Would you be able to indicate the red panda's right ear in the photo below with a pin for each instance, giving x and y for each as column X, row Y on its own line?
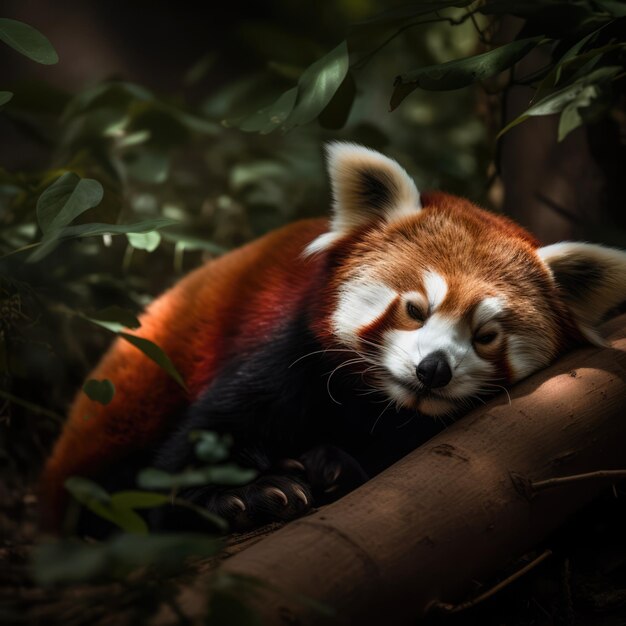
column 367, row 186
column 591, row 279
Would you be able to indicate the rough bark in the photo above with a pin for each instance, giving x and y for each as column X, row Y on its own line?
column 452, row 512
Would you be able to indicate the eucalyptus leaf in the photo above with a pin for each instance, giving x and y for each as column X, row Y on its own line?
column 27, row 41
column 462, row 72
column 571, row 116
column 215, row 520
column 573, row 52
column 86, row 491
column 5, row 96
column 98, row 501
column 318, row 85
column 67, row 198
column 92, row 230
column 228, row 474
column 190, row 241
column 414, row 9
column 271, row 117
column 617, row 8
column 138, row 499
column 153, row 352
column 336, row 113
column 70, row 561
column 144, row 241
column 101, row 391
column 211, row 447
column 126, row 519
column 557, row 101
column 114, row 318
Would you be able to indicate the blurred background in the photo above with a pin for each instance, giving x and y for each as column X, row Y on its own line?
column 192, row 128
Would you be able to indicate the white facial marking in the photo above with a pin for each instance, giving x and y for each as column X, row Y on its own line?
column 453, row 336
column 487, row 309
column 360, row 303
column 527, row 354
column 436, row 288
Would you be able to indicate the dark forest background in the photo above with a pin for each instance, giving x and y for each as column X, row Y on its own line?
column 181, row 120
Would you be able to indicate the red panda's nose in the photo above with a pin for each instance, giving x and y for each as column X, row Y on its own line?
column 434, row 371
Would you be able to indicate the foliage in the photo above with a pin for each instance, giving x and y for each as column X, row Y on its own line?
column 129, row 188
column 72, row 561
column 581, row 34
column 125, row 189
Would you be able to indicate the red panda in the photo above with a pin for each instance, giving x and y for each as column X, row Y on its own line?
column 326, row 347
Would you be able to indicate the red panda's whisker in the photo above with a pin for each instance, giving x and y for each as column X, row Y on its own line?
column 340, row 366
column 304, row 356
column 380, row 415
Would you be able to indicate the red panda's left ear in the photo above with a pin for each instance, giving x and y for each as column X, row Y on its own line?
column 591, row 278
column 367, row 186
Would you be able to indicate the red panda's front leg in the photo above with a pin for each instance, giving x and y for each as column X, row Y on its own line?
column 283, row 492
column 282, row 427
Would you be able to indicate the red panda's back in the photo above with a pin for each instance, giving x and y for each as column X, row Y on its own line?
column 222, row 308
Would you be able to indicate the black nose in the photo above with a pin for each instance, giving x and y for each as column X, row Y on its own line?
column 434, row 371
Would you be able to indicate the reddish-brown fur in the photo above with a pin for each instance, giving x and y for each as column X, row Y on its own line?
column 211, row 313
column 233, row 303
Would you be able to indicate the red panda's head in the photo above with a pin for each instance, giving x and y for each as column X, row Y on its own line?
column 446, row 302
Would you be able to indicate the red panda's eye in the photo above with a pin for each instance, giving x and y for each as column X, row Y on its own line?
column 414, row 312
column 485, row 339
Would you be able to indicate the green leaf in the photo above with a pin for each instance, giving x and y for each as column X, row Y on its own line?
column 126, row 519
column 336, row 113
column 67, row 198
column 101, row 391
column 215, row 520
column 98, row 501
column 70, row 561
column 557, row 101
column 5, row 96
column 144, row 241
column 271, row 117
column 138, row 499
column 228, row 474
column 415, row 9
column 211, row 447
column 153, row 352
column 463, row 72
column 571, row 116
column 27, row 41
column 617, row 8
column 92, row 230
column 114, row 318
column 86, row 491
column 573, row 52
column 318, row 85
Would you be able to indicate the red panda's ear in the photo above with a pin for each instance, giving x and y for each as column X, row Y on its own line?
column 367, row 186
column 592, row 279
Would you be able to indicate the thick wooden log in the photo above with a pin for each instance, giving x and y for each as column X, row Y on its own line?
column 454, row 511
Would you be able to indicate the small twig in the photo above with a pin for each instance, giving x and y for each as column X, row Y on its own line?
column 540, row 485
column 444, row 607
column 453, row 22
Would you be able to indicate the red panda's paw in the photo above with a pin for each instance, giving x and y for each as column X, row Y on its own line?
column 331, row 473
column 270, row 498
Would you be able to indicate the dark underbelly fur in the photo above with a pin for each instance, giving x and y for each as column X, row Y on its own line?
column 308, row 447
